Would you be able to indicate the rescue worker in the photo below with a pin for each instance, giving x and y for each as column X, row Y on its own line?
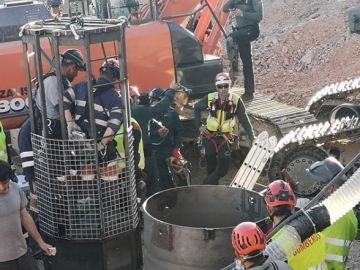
column 249, row 243
column 166, row 135
column 217, row 134
column 54, row 6
column 3, row 144
column 71, row 62
column 108, row 116
column 27, row 161
column 339, row 236
column 280, row 203
column 143, row 114
column 138, row 146
column 14, row 253
column 248, row 14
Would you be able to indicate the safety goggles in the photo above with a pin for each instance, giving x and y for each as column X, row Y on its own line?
column 222, row 86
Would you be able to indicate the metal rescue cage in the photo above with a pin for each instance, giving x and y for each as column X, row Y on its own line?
column 75, row 196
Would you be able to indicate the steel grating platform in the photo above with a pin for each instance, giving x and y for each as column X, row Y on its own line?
column 276, row 117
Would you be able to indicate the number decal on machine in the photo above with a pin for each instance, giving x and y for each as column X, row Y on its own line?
column 15, row 105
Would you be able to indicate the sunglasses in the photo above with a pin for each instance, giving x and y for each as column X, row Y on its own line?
column 222, row 86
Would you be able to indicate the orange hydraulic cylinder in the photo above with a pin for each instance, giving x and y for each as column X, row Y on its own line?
column 204, row 21
column 211, row 43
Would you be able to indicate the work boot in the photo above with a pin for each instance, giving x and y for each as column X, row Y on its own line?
column 110, row 172
column 247, row 97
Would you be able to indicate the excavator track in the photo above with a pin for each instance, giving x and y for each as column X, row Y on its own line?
column 278, row 118
column 300, row 148
column 323, row 102
column 306, row 135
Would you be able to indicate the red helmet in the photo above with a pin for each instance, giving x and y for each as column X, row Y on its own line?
column 279, row 193
column 248, row 238
column 223, row 78
column 134, row 91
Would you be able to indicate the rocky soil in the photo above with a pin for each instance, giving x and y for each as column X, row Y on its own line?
column 304, row 46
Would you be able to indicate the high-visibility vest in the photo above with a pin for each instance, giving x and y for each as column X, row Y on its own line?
column 222, row 117
column 338, row 238
column 310, row 255
column 3, row 146
column 120, row 140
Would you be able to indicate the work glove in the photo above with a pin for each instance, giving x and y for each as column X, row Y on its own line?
column 72, row 126
column 101, row 148
column 176, row 153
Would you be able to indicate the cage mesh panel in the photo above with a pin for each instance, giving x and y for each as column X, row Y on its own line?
column 75, row 200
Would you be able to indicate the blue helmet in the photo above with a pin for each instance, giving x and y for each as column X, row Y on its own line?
column 156, row 94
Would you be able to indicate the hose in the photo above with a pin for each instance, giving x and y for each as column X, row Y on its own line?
column 318, row 197
column 304, row 223
column 315, row 219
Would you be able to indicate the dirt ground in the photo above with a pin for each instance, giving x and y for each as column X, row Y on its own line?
column 304, row 46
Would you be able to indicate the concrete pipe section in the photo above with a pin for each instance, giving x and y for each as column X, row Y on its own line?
column 189, row 228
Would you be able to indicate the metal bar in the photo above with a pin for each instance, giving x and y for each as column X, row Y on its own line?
column 317, row 198
column 50, row 62
column 29, row 90
column 124, row 85
column 89, row 80
column 39, row 75
column 216, row 18
column 90, row 89
column 60, row 86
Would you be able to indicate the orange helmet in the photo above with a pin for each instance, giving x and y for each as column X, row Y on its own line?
column 248, row 238
column 222, row 78
column 279, row 193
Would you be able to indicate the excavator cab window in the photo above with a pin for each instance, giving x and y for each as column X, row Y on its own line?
column 186, row 47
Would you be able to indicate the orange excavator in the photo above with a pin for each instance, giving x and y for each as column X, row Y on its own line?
column 166, row 41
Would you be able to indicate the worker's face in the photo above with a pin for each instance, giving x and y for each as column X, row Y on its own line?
column 55, row 11
column 4, row 186
column 223, row 90
column 71, row 72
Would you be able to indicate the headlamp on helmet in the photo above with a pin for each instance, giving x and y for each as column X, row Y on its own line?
column 111, row 67
column 73, row 56
column 279, row 193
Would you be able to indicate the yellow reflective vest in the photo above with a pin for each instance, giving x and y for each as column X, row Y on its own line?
column 120, row 141
column 328, row 249
column 3, row 146
column 338, row 238
column 222, row 117
column 310, row 255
